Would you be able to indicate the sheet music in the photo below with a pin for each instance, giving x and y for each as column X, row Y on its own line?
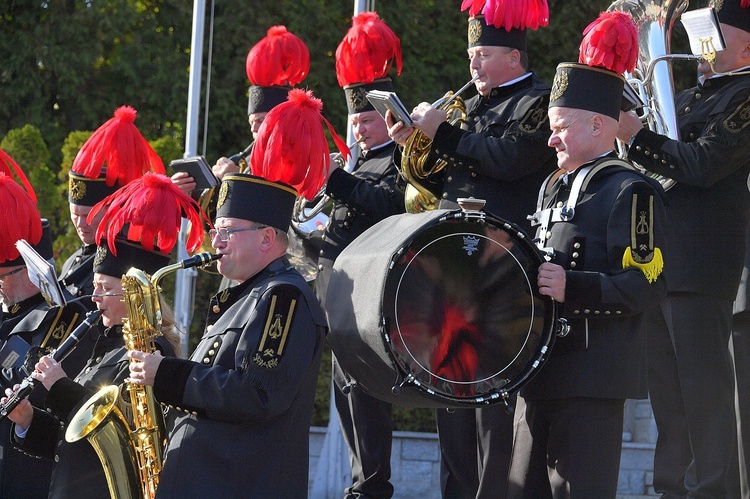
column 701, row 26
column 42, row 274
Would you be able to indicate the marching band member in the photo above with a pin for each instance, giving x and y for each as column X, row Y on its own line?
column 605, row 224
column 30, row 326
column 90, row 181
column 245, row 397
column 502, row 158
column 690, row 371
column 274, row 65
column 151, row 206
column 362, row 198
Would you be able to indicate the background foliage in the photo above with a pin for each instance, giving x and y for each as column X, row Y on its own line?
column 66, row 65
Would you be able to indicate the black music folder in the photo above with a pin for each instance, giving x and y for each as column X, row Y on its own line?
column 388, row 101
column 198, row 168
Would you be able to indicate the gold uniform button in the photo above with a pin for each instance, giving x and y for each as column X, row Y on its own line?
column 211, row 352
column 216, row 309
column 656, row 156
column 548, row 234
column 445, row 195
column 216, row 344
column 559, row 204
column 687, row 109
column 57, row 458
column 573, row 264
column 587, row 311
column 473, row 174
column 206, row 360
column 577, row 245
column 450, row 178
column 575, row 255
column 698, row 96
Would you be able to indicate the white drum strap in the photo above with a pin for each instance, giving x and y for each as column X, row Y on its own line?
column 545, row 217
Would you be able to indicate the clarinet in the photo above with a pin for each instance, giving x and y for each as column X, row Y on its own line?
column 67, row 346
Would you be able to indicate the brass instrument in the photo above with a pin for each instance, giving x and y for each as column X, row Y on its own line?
column 416, row 167
column 132, row 459
column 652, row 77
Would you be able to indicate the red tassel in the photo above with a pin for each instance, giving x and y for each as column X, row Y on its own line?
column 281, row 58
column 474, row 6
column 745, row 4
column 7, row 164
column 291, row 147
column 119, row 145
column 20, row 220
column 367, row 51
column 611, row 42
column 516, row 14
column 152, row 207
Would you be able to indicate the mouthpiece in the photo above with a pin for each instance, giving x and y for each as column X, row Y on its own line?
column 200, row 259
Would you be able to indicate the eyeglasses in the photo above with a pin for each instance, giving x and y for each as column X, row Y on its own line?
column 19, row 269
column 225, row 233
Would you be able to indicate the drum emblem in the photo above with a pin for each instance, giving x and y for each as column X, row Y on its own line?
column 470, row 244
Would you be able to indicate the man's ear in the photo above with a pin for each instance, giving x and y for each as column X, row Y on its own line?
column 596, row 124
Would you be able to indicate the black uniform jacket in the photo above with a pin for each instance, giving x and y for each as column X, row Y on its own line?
column 604, row 355
column 44, row 328
column 244, row 400
column 503, row 157
column 77, row 274
column 364, row 197
column 709, row 206
column 77, row 471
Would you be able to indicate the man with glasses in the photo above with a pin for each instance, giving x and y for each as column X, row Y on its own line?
column 243, row 402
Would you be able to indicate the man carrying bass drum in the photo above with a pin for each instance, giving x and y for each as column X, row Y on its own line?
column 603, row 224
column 502, row 158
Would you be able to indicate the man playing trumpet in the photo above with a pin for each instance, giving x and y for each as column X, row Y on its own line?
column 502, row 158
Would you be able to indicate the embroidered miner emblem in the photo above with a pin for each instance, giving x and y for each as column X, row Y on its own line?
column 77, row 189
column 223, row 192
column 279, row 320
column 560, row 85
column 739, row 119
column 642, row 253
column 358, row 98
column 534, row 119
column 101, row 254
column 475, row 31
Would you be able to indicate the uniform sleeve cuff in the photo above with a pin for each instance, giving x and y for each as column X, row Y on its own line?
column 64, row 396
column 171, row 378
column 582, row 290
column 341, row 184
column 447, row 138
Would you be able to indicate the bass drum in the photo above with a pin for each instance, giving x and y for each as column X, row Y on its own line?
column 440, row 309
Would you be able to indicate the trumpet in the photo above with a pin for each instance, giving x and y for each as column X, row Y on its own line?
column 415, row 157
column 67, row 346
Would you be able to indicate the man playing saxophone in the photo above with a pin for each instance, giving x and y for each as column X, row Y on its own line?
column 244, row 399
column 502, row 158
column 690, row 371
column 40, row 431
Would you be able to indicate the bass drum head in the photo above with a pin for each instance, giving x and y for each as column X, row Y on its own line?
column 461, row 321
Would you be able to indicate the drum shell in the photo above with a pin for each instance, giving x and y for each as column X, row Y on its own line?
column 360, row 313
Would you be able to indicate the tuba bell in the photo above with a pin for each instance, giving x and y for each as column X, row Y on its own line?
column 652, row 77
column 417, row 168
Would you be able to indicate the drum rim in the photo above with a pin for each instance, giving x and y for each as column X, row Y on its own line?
column 547, row 334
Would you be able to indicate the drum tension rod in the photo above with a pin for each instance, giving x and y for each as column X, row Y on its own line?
column 396, row 389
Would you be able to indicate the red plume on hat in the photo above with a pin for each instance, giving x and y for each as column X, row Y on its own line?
column 20, row 220
column 510, row 14
column 611, row 42
column 291, row 147
column 367, row 51
column 119, row 145
column 8, row 166
column 281, row 58
column 152, row 208
column 745, row 4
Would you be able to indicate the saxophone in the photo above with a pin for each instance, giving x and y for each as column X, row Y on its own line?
column 132, row 459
